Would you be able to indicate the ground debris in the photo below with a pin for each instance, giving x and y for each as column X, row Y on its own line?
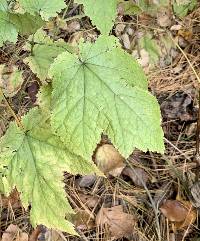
column 13, row 233
column 119, row 223
column 179, row 106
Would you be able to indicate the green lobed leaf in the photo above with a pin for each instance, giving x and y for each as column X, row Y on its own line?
column 26, row 24
column 103, row 89
column 101, row 12
column 11, row 24
column 35, row 160
column 45, row 8
column 43, row 53
column 130, row 8
column 182, row 7
column 8, row 31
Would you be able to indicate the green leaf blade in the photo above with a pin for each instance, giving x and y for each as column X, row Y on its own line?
column 43, row 53
column 8, row 31
column 26, row 24
column 102, row 13
column 35, row 163
column 12, row 24
column 72, row 102
column 45, row 8
column 86, row 90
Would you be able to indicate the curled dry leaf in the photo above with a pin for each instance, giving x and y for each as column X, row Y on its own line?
column 119, row 223
column 109, row 160
column 14, row 233
column 180, row 212
column 137, row 175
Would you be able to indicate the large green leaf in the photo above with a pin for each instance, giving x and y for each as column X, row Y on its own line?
column 11, row 24
column 43, row 53
column 103, row 89
column 35, row 160
column 8, row 31
column 101, row 12
column 45, row 8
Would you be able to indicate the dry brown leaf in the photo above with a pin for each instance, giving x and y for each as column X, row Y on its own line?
column 163, row 17
column 73, row 26
column 176, row 27
column 109, row 160
column 87, row 181
column 11, row 79
column 89, row 200
column 126, row 41
column 83, row 220
column 53, row 235
column 14, row 233
column 186, row 34
column 13, row 199
column 75, row 38
column 137, row 175
column 190, row 218
column 119, row 29
column 180, row 212
column 144, row 58
column 119, row 223
column 179, row 106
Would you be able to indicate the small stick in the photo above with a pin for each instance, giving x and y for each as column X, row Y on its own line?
column 11, row 110
column 197, row 156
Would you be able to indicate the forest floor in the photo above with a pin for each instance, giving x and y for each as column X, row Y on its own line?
column 149, row 196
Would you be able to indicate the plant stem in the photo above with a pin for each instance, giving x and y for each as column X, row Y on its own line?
column 197, row 156
column 11, row 110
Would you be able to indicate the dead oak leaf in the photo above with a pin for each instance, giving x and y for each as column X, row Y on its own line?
column 119, row 223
